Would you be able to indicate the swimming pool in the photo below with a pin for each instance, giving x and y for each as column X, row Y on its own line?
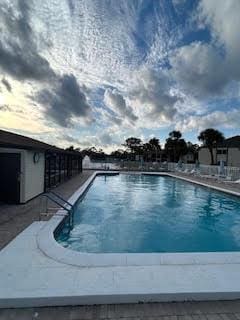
column 130, row 213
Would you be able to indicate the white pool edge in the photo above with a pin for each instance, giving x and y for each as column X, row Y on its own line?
column 51, row 248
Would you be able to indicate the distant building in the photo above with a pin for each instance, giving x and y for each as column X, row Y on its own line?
column 189, row 157
column 29, row 167
column 228, row 151
column 86, row 162
column 155, row 156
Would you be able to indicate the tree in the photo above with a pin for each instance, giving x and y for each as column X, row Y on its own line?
column 71, row 148
column 134, row 145
column 119, row 154
column 155, row 142
column 210, row 139
column 175, row 135
column 193, row 149
column 94, row 154
column 152, row 147
column 175, row 146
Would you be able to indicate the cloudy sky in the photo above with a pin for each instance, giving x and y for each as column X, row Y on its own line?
column 94, row 72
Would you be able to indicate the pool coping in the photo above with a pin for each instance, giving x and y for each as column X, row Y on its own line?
column 52, row 249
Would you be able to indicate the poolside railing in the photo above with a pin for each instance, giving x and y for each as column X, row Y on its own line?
column 127, row 166
column 206, row 170
column 231, row 172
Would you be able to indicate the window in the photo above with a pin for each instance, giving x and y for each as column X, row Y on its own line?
column 224, row 151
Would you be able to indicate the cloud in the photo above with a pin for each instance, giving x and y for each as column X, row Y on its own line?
column 19, row 55
column 151, row 98
column 221, row 119
column 213, row 15
column 116, row 102
column 7, row 85
column 101, row 139
column 5, row 108
column 23, row 65
column 90, row 140
column 159, row 69
column 208, row 69
column 65, row 101
column 152, row 89
column 113, row 119
column 224, row 22
column 70, row 139
column 199, row 69
column 106, row 139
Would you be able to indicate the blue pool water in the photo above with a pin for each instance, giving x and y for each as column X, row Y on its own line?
column 137, row 213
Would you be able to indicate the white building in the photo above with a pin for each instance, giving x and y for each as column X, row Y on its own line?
column 86, row 162
column 29, row 167
column 228, row 151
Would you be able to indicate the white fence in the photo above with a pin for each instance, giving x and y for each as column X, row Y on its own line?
column 101, row 166
column 231, row 172
column 126, row 166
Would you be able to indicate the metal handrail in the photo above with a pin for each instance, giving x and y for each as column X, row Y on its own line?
column 59, row 197
column 55, row 201
column 70, row 211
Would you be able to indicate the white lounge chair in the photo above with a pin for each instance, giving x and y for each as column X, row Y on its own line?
column 208, row 176
column 231, row 181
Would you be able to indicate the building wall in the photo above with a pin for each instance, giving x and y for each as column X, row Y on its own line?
column 204, row 156
column 232, row 158
column 188, row 158
column 33, row 175
column 223, row 157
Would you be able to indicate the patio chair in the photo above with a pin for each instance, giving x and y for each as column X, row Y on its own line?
column 233, row 181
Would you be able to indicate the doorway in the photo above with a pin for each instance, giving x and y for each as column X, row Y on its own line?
column 10, row 169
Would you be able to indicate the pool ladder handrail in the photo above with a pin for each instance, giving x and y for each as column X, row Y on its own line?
column 59, row 197
column 50, row 195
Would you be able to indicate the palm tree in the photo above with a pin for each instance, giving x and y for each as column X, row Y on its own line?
column 210, row 139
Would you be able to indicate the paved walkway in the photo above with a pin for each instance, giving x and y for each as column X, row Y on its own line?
column 209, row 310
column 211, row 181
column 15, row 218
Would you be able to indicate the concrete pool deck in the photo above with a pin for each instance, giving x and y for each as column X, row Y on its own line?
column 204, row 310
column 30, row 278
column 15, row 218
